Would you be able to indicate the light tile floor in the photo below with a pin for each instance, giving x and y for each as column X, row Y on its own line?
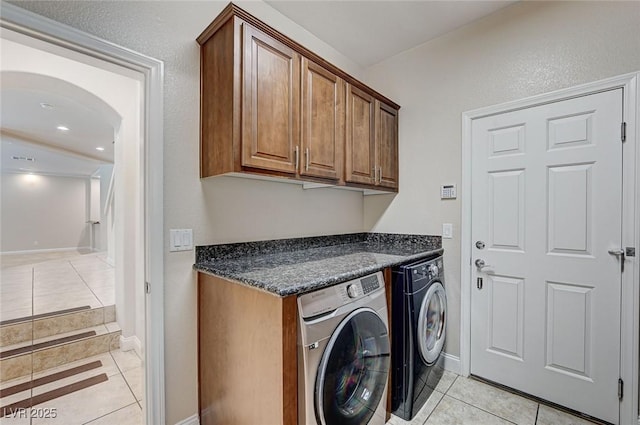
column 115, row 401
column 38, row 283
column 32, row 284
column 465, row 401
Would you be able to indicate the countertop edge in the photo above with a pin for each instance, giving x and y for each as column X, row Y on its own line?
column 317, row 284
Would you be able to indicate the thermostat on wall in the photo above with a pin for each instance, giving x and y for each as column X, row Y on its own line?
column 448, row 191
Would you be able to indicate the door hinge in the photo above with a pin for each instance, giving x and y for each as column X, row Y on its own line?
column 620, row 388
column 623, row 131
column 147, row 287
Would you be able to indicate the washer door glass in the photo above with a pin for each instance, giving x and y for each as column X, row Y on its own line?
column 432, row 323
column 353, row 370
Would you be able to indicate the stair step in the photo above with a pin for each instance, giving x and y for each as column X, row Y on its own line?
column 34, row 347
column 25, row 358
column 53, row 394
column 43, row 315
column 15, row 331
column 6, row 392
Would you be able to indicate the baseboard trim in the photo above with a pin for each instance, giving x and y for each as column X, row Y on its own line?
column 191, row 420
column 451, row 363
column 41, row 251
column 131, row 343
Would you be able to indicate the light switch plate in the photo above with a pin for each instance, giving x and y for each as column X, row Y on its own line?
column 447, row 230
column 180, row 240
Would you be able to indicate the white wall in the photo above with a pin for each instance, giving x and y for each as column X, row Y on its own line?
column 523, row 50
column 219, row 209
column 43, row 212
column 104, row 230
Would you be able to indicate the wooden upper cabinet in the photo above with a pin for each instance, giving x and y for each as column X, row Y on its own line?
column 271, row 95
column 360, row 140
column 372, row 141
column 271, row 107
column 387, row 145
column 322, row 139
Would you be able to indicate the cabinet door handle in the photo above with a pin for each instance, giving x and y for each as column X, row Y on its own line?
column 296, row 152
column 379, row 173
column 306, row 165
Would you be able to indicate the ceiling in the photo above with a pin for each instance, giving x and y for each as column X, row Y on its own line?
column 33, row 107
column 47, row 160
column 370, row 31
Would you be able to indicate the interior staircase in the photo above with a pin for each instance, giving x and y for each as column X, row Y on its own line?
column 41, row 346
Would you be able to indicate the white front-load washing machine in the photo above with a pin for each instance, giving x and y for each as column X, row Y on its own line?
column 343, row 354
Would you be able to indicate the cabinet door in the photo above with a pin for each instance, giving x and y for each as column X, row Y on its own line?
column 387, row 145
column 271, row 98
column 322, row 140
column 360, row 139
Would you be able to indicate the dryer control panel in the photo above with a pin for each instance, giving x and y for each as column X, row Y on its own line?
column 328, row 299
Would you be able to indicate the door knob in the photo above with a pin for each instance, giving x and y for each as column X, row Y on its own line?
column 480, row 264
column 616, row 252
column 619, row 253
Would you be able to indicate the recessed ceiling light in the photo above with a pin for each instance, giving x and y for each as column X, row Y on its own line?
column 100, row 148
column 62, row 128
column 45, row 105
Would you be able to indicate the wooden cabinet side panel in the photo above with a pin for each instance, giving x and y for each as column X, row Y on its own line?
column 240, row 354
column 360, row 137
column 387, row 145
column 290, row 360
column 322, row 138
column 271, row 102
column 218, row 90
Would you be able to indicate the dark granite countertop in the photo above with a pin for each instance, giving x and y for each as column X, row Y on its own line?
column 295, row 266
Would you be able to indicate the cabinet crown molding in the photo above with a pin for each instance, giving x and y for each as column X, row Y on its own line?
column 233, row 10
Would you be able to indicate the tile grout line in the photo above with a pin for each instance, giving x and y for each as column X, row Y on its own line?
column 498, row 416
column 436, row 406
column 539, row 402
column 104, row 261
column 480, row 408
column 434, row 409
column 124, row 378
column 537, row 413
column 442, row 398
column 106, row 414
column 86, row 284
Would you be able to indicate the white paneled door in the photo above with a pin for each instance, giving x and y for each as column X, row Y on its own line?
column 547, row 206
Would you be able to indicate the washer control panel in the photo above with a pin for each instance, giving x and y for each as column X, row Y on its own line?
column 370, row 283
column 328, row 299
column 430, row 269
